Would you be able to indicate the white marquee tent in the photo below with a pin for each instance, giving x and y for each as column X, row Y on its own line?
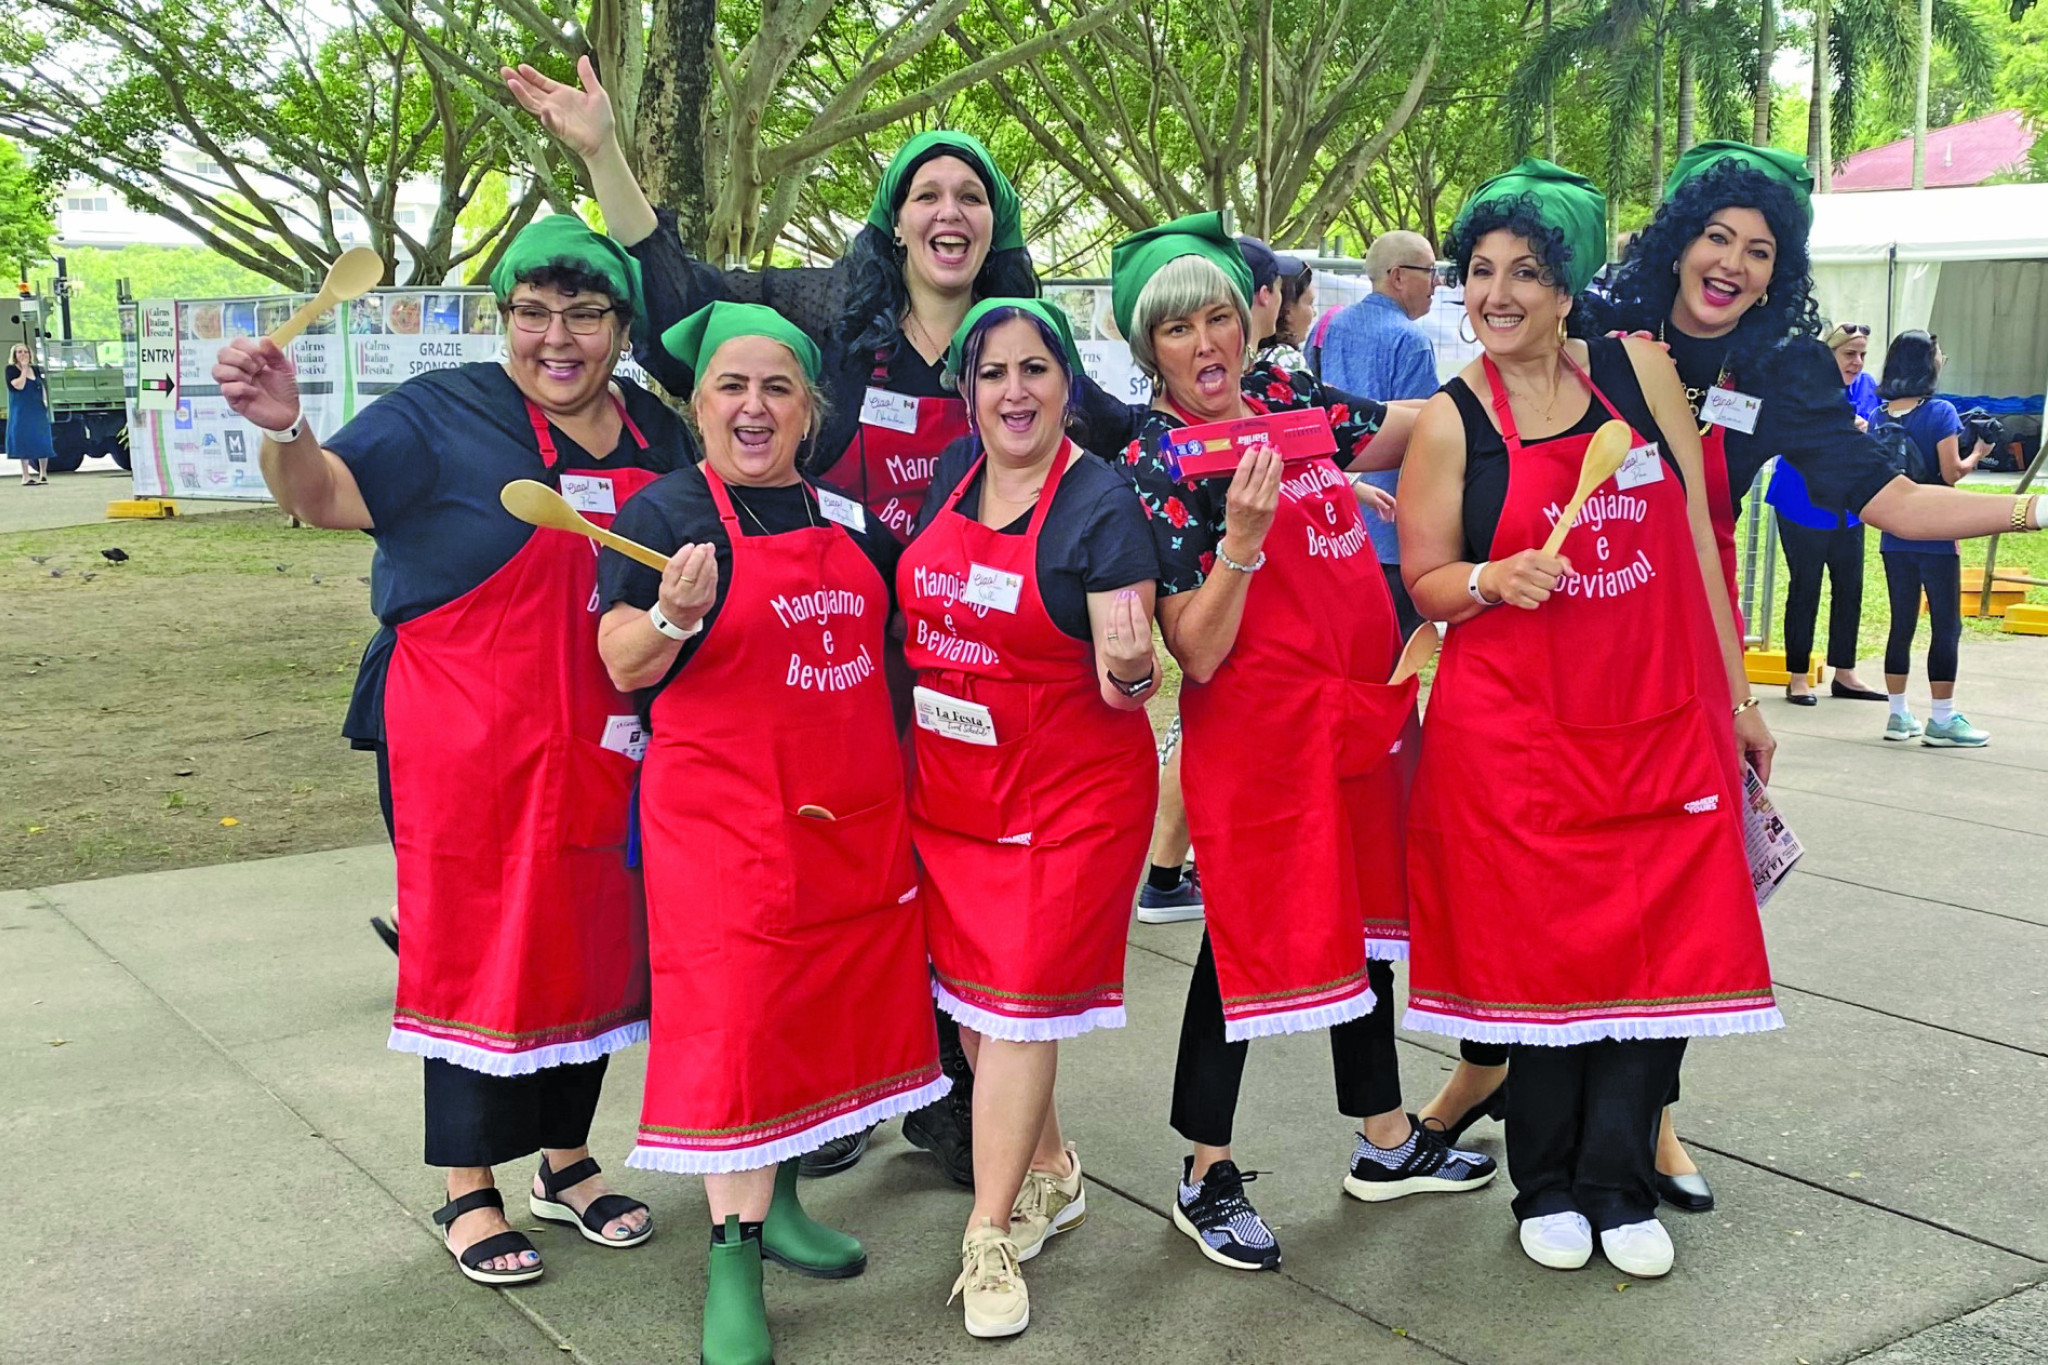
column 1969, row 265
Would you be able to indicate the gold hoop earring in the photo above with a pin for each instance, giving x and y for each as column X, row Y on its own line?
column 1463, row 323
column 1560, row 332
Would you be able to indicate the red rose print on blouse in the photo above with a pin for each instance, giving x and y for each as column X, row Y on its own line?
column 1133, row 453
column 1340, row 413
column 1282, row 375
column 1208, row 562
column 1278, row 392
column 1176, row 512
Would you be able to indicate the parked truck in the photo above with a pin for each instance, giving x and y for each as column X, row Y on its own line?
column 88, row 412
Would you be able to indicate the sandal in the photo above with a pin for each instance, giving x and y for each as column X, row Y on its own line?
column 471, row 1261
column 606, row 1208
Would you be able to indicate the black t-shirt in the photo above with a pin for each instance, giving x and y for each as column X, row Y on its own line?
column 430, row 458
column 1801, row 416
column 1095, row 537
column 1486, row 450
column 677, row 510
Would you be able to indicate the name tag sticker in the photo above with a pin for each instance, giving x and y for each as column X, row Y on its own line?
column 1642, row 466
column 589, row 493
column 953, row 718
column 893, row 411
column 1730, row 409
column 845, row 511
column 996, row 589
column 625, row 735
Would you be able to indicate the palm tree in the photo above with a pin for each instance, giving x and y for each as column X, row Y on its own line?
column 1872, row 47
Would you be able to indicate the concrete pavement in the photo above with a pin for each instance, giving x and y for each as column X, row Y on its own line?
column 78, row 499
column 222, row 1159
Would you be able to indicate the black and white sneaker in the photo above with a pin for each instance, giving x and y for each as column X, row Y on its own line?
column 1422, row 1164
column 1222, row 1221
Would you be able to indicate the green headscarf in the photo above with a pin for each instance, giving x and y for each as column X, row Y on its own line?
column 1564, row 200
column 1002, row 195
column 1137, row 258
column 1783, row 167
column 1054, row 318
column 565, row 237
column 697, row 337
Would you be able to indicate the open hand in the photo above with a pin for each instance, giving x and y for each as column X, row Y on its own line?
column 1373, row 497
column 581, row 119
column 259, row 382
column 689, row 585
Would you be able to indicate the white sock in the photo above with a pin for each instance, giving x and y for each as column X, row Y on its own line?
column 1944, row 710
column 1898, row 701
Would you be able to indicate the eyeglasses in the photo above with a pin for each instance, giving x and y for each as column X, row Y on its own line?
column 1854, row 329
column 1430, row 270
column 582, row 320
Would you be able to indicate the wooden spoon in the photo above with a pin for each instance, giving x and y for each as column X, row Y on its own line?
column 1604, row 454
column 1420, row 649
column 540, row 505
column 354, row 273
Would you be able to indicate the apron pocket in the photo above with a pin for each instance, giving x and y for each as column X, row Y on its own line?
column 1597, row 775
column 1369, row 723
column 591, row 788
column 845, row 867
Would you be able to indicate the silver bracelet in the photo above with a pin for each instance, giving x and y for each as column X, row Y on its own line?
column 1473, row 590
column 1258, row 561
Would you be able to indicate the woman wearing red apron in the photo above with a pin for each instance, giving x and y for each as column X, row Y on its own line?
column 505, row 755
column 1579, row 888
column 791, row 998
column 1027, row 599
column 1296, row 745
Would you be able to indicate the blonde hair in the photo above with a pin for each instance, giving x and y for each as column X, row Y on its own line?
column 1181, row 288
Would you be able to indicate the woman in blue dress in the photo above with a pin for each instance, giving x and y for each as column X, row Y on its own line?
column 28, row 418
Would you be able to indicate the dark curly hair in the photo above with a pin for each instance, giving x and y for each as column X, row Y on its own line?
column 1519, row 216
column 1644, row 285
column 574, row 277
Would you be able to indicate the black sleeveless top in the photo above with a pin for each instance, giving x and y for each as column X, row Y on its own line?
column 1486, row 451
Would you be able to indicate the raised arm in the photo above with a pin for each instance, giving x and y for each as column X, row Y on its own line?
column 582, row 120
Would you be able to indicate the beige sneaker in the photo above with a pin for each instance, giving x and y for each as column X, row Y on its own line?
column 1047, row 1204
column 997, row 1303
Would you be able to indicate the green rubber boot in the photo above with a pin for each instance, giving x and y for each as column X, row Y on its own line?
column 793, row 1238
column 735, row 1316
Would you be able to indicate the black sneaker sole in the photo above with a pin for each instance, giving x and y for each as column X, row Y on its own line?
column 843, row 1272
column 1180, row 1220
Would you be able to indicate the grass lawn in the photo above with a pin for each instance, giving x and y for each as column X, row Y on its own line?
column 148, row 704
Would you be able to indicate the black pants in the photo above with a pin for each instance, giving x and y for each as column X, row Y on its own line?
column 1404, row 605
column 1496, row 1054
column 1582, row 1128
column 1906, row 574
column 1207, row 1075
column 1811, row 551
column 479, row 1120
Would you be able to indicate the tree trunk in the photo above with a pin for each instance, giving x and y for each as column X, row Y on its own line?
column 1766, row 54
column 1920, row 94
column 675, row 100
column 1818, row 160
column 1549, row 101
column 1657, row 115
column 1688, row 81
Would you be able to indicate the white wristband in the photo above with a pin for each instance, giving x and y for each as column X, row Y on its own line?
column 1473, row 590
column 670, row 628
column 288, row 434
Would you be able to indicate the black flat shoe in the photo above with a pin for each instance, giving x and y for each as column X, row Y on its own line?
column 1802, row 699
column 387, row 932
column 1494, row 1106
column 1690, row 1193
column 840, row 1154
column 1847, row 693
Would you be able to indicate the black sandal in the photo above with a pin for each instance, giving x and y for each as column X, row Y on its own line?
column 386, row 932
column 471, row 1261
column 606, row 1208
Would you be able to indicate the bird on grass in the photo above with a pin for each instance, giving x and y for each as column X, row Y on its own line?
column 117, row 555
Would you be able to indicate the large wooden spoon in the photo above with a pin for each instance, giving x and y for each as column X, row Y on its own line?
column 354, row 273
column 539, row 505
column 1420, row 649
column 1604, row 454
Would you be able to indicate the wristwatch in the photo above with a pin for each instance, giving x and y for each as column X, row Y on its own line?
column 288, row 434
column 670, row 628
column 1137, row 688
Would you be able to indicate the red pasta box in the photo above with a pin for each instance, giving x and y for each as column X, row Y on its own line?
column 1213, row 448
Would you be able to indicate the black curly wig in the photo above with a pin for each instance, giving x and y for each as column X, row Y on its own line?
column 1645, row 284
column 1519, row 216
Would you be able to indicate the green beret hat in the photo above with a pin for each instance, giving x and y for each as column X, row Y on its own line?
column 1561, row 199
column 1137, row 258
column 697, row 337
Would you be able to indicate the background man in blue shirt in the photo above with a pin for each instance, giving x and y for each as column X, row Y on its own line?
column 1374, row 347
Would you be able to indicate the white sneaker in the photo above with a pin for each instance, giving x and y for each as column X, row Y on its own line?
column 1562, row 1241
column 1640, row 1249
column 997, row 1304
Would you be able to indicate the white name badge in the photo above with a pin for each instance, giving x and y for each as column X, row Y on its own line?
column 953, row 718
column 1642, row 466
column 589, row 493
column 625, row 735
column 845, row 511
column 894, row 411
column 996, row 589
column 1730, row 409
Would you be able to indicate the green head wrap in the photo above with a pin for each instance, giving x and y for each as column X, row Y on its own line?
column 1562, row 199
column 1002, row 195
column 1137, row 258
column 1783, row 167
column 1054, row 318
column 697, row 337
column 565, row 237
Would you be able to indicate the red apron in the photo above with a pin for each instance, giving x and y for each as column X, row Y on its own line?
column 1291, row 795
column 525, row 937
column 1575, row 851
column 792, row 1000
column 887, row 468
column 1032, row 847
